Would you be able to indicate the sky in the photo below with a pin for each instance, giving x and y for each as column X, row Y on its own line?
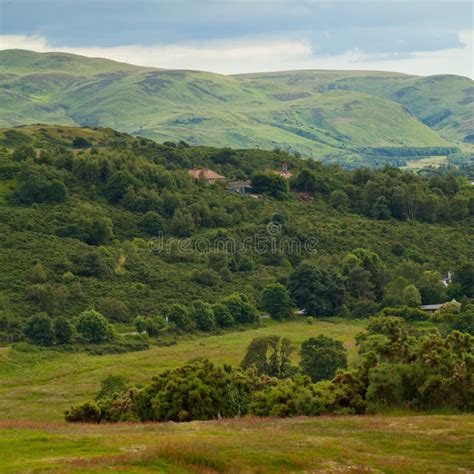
column 421, row 37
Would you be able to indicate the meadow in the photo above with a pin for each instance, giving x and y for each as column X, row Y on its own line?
column 40, row 384
column 400, row 444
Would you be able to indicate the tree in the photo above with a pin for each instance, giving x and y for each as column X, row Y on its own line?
column 276, row 301
column 113, row 309
column 339, row 200
column 270, row 355
column 93, row 327
column 39, row 183
column 320, row 292
column 151, row 223
column 464, row 277
column 270, row 184
column 39, row 330
column 222, row 315
column 63, row 330
column 89, row 224
column 179, row 315
column 203, row 315
column 38, row 275
column 321, row 357
column 118, row 184
column 241, row 309
column 411, row 296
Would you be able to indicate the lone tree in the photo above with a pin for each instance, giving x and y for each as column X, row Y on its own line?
column 270, row 355
column 321, row 357
column 276, row 300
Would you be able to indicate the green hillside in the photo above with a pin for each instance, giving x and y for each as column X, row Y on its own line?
column 325, row 114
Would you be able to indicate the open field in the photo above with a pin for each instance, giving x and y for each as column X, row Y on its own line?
column 40, row 385
column 415, row 444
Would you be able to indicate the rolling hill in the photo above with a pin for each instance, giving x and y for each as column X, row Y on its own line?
column 326, row 114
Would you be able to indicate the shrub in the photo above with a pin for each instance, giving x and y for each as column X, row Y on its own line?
column 203, row 316
column 179, row 315
column 63, row 330
column 88, row 412
column 240, row 308
column 39, row 330
column 93, row 327
column 222, row 315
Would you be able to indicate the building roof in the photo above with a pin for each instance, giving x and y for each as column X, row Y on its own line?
column 240, row 184
column 428, row 307
column 285, row 174
column 205, row 173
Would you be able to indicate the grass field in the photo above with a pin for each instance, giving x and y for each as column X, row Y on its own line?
column 36, row 387
column 415, row 444
column 41, row 385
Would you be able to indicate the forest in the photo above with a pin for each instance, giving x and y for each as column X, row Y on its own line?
column 103, row 237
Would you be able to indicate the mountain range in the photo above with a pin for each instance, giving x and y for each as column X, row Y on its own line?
column 335, row 115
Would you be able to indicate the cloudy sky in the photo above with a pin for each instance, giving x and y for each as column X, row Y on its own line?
column 234, row 36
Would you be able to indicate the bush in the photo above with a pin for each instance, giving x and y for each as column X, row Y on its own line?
column 63, row 330
column 88, row 412
column 206, row 392
column 203, row 315
column 240, row 308
column 93, row 327
column 179, row 315
column 39, row 330
column 222, row 315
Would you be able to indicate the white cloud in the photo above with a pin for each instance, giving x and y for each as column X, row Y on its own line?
column 265, row 54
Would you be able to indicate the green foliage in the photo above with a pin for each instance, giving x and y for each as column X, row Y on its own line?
column 63, row 330
column 222, row 315
column 37, row 184
column 411, row 296
column 112, row 385
column 203, row 315
column 93, row 327
column 318, row 291
column 321, row 357
column 276, row 301
column 270, row 355
column 270, row 184
column 39, row 330
column 206, row 391
column 180, row 316
column 240, row 308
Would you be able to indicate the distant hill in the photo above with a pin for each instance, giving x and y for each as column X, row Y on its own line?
column 335, row 115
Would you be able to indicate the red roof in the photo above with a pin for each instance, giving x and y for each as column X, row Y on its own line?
column 205, row 173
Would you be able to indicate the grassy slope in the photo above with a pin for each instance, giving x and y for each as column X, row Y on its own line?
column 41, row 385
column 424, row 97
column 297, row 110
column 417, row 444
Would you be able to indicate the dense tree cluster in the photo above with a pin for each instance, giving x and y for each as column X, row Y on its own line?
column 396, row 368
